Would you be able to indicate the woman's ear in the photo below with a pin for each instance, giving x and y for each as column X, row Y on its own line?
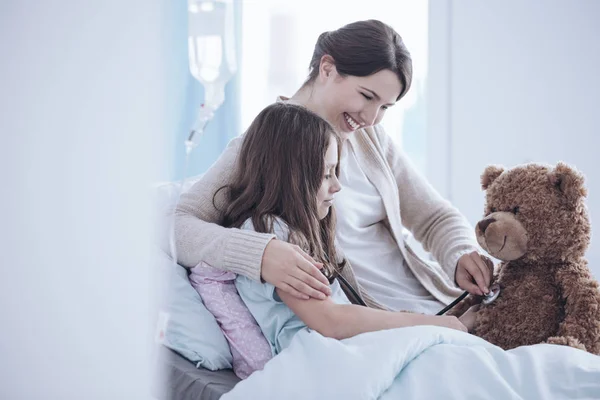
column 326, row 67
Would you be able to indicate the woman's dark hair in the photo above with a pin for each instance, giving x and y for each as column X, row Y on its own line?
column 279, row 171
column 364, row 48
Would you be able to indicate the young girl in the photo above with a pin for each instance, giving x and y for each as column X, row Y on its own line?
column 286, row 184
column 356, row 73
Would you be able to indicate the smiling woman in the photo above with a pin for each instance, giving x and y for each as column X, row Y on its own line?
column 279, row 39
column 350, row 101
column 383, row 194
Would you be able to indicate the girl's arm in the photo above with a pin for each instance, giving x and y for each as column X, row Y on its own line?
column 341, row 321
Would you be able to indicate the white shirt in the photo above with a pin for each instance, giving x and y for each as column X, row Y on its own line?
column 370, row 247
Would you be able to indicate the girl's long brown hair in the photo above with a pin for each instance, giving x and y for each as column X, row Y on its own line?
column 280, row 169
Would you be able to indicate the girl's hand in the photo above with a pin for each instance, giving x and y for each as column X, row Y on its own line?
column 450, row 321
column 290, row 269
column 469, row 317
column 474, row 273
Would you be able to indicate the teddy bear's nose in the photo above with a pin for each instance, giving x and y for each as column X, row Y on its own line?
column 485, row 223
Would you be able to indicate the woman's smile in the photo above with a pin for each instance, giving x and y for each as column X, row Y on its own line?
column 350, row 123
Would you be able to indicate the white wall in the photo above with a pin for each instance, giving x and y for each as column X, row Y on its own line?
column 83, row 128
column 512, row 82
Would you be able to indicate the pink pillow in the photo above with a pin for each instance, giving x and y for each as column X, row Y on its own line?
column 249, row 348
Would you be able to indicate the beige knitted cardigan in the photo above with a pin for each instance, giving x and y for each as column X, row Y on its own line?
column 408, row 199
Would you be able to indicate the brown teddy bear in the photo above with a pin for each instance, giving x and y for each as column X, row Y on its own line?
column 537, row 224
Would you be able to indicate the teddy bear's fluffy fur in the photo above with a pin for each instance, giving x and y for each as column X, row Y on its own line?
column 537, row 224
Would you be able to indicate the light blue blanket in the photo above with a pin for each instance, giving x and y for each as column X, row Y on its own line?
column 422, row 362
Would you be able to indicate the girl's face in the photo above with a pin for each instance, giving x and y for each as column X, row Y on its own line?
column 330, row 185
column 353, row 102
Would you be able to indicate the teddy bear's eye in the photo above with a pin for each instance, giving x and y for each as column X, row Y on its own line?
column 515, row 210
column 493, row 209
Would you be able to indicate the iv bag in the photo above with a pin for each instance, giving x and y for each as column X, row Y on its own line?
column 211, row 47
column 212, row 58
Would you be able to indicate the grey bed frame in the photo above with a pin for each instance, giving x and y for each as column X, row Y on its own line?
column 179, row 379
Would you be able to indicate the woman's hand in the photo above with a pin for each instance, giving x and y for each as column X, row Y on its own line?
column 290, row 269
column 474, row 273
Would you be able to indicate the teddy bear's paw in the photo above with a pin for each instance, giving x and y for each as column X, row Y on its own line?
column 566, row 341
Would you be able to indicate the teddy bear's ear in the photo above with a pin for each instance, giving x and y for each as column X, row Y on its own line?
column 568, row 181
column 490, row 174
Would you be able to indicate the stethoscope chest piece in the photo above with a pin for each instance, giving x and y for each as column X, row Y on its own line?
column 492, row 295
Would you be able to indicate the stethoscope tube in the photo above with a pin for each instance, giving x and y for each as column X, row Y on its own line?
column 455, row 302
column 351, row 289
column 344, row 282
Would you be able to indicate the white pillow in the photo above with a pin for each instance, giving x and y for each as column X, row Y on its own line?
column 183, row 322
column 165, row 196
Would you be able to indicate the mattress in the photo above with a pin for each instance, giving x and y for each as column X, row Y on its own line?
column 179, row 379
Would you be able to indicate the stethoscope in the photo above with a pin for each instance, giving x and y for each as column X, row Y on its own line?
column 487, row 299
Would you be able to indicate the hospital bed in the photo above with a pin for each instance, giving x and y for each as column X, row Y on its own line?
column 179, row 379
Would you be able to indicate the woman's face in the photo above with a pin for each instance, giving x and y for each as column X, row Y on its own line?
column 330, row 185
column 353, row 102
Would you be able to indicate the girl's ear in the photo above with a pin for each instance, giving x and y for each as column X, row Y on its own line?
column 327, row 68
